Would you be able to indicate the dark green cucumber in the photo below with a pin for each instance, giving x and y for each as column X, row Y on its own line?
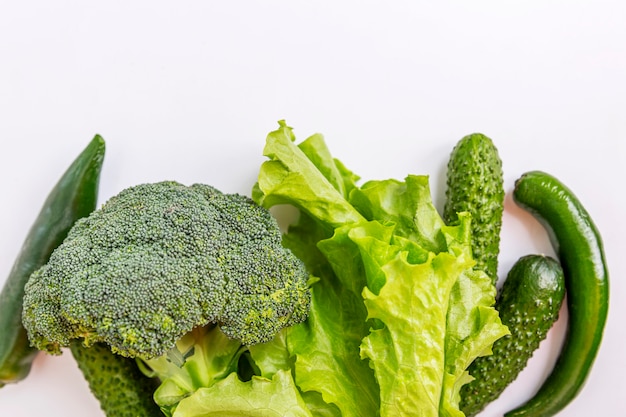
column 528, row 304
column 579, row 246
column 116, row 381
column 74, row 196
column 475, row 185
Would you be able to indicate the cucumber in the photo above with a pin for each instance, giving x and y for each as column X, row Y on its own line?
column 116, row 381
column 529, row 304
column 475, row 185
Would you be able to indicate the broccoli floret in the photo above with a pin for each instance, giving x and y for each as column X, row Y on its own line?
column 158, row 260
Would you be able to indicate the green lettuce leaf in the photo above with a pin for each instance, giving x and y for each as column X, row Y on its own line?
column 291, row 177
column 408, row 354
column 259, row 397
column 326, row 348
column 323, row 352
column 397, row 312
column 471, row 322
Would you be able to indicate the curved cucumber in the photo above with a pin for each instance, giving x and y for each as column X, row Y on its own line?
column 475, row 185
column 528, row 304
column 579, row 247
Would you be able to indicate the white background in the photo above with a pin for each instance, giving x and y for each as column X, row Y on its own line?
column 188, row 91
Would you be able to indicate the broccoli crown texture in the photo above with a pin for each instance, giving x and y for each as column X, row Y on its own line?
column 159, row 259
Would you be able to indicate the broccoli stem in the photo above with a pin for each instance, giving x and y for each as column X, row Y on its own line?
column 116, row 381
column 200, row 359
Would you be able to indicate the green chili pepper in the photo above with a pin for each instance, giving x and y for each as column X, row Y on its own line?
column 74, row 196
column 579, row 247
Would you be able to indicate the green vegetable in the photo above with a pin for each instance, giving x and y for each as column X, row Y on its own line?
column 475, row 185
column 156, row 262
column 117, row 383
column 232, row 397
column 73, row 197
column 580, row 250
column 202, row 357
column 369, row 306
column 528, row 304
column 398, row 312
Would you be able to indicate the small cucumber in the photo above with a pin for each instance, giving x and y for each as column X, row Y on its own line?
column 116, row 381
column 528, row 304
column 475, row 185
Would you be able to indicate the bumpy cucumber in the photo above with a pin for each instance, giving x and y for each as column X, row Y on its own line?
column 528, row 304
column 116, row 381
column 475, row 185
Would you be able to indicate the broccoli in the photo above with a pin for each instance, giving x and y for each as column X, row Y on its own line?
column 181, row 278
column 157, row 261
